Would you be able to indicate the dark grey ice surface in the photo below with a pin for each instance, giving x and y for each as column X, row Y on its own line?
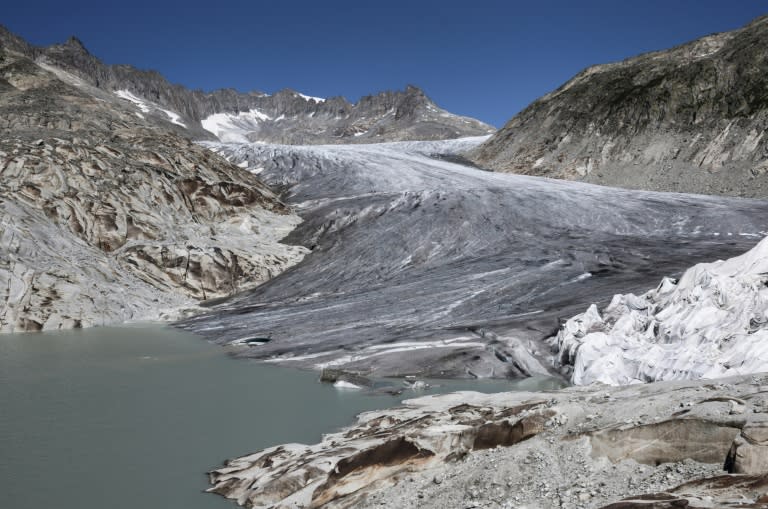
column 421, row 266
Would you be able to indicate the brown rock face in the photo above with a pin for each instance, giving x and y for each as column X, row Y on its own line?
column 658, row 445
column 380, row 449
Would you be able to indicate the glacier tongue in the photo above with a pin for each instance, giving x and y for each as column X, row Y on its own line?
column 712, row 323
column 419, row 265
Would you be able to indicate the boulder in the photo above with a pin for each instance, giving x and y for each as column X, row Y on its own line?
column 749, row 451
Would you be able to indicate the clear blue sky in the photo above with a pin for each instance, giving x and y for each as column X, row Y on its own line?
column 486, row 59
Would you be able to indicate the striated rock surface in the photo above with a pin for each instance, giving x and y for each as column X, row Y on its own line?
column 713, row 322
column 382, row 445
column 577, row 447
column 726, row 491
column 105, row 217
column 231, row 116
column 688, row 119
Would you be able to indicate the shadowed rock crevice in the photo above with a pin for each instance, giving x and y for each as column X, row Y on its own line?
column 505, row 433
column 355, row 472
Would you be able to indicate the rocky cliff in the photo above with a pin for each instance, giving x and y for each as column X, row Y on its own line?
column 284, row 117
column 106, row 216
column 662, row 446
column 688, row 119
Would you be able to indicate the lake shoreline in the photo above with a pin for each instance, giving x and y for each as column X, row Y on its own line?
column 147, row 410
column 576, row 447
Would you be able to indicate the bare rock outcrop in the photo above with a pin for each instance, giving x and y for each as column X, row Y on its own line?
column 749, row 452
column 382, row 446
column 725, row 491
column 577, row 447
column 106, row 217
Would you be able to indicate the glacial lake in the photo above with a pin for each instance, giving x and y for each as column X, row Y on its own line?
column 133, row 417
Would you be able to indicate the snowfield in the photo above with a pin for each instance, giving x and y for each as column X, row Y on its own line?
column 234, row 127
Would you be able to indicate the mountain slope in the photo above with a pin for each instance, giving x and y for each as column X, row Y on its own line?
column 285, row 117
column 106, row 216
column 688, row 119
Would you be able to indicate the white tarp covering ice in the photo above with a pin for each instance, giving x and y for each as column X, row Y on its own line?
column 712, row 323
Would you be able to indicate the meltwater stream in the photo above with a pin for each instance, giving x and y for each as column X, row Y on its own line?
column 133, row 417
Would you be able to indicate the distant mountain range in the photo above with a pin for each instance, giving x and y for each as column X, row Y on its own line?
column 231, row 116
column 688, row 119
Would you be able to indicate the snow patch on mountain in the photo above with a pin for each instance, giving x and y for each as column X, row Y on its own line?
column 147, row 107
column 175, row 118
column 140, row 103
column 710, row 324
column 311, row 98
column 233, row 127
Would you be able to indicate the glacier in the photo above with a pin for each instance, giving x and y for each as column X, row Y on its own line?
column 422, row 265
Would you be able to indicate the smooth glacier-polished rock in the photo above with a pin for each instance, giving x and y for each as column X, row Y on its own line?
column 105, row 217
column 580, row 446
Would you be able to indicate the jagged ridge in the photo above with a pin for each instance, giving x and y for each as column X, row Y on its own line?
column 286, row 117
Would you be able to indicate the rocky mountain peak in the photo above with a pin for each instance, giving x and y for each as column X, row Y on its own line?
column 413, row 90
column 12, row 42
column 76, row 44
